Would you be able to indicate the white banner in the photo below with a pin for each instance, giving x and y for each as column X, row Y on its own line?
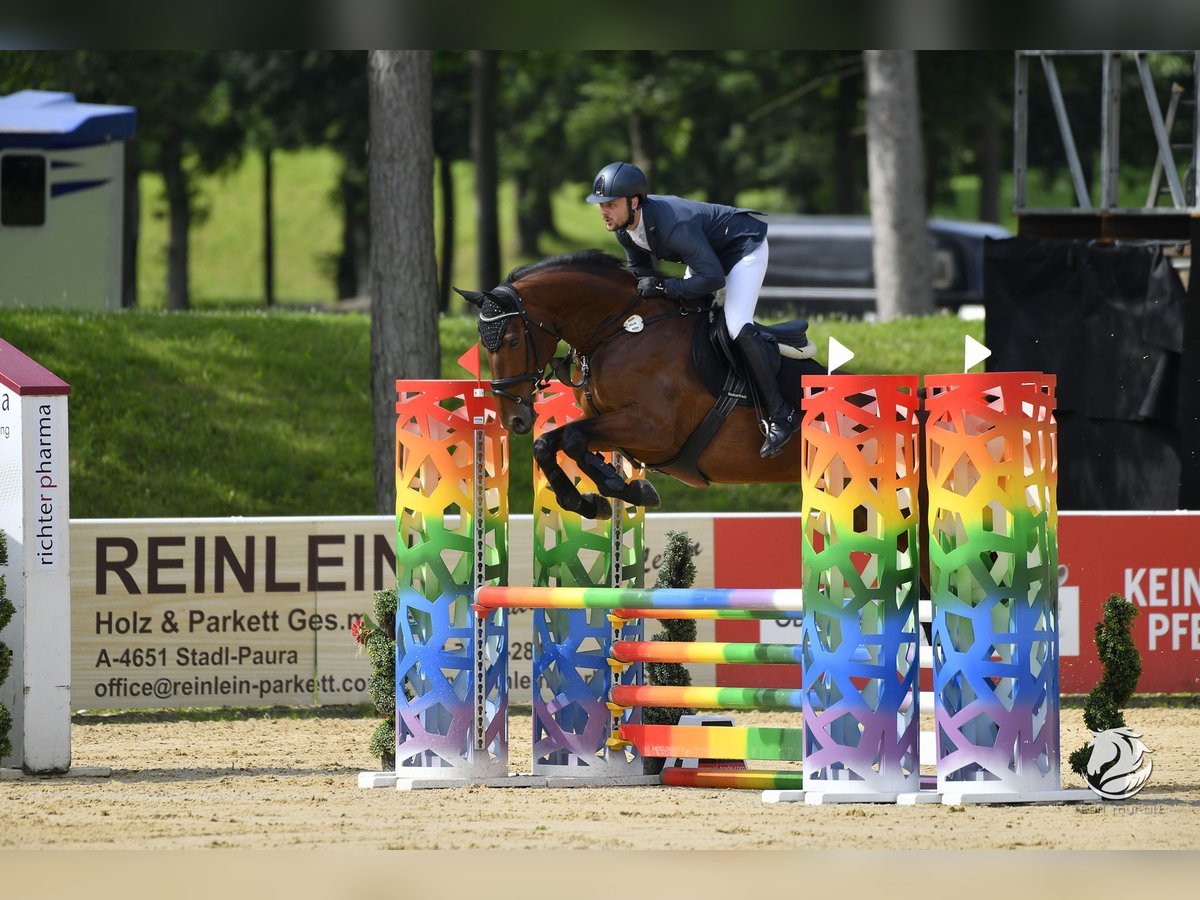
column 170, row 613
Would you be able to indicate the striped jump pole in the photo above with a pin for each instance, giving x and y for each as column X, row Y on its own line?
column 717, row 652
column 707, row 697
column 726, row 614
column 991, row 443
column 743, row 779
column 452, row 537
column 716, row 743
column 649, row 599
column 859, row 484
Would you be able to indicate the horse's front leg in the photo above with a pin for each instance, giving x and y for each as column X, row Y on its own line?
column 575, row 440
column 545, row 453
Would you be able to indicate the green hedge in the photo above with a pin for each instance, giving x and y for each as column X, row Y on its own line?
column 378, row 637
column 677, row 571
column 1122, row 668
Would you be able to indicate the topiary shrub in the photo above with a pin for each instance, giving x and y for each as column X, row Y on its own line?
column 378, row 636
column 1122, row 668
column 7, row 610
column 677, row 571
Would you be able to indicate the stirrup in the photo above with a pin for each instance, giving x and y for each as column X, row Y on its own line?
column 779, row 432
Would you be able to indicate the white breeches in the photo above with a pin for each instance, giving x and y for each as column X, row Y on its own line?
column 742, row 285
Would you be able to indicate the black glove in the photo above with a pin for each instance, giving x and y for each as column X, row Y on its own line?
column 651, row 286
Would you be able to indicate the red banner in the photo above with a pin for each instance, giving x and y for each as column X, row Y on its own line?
column 1151, row 559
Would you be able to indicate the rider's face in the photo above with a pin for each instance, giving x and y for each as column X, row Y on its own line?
column 616, row 212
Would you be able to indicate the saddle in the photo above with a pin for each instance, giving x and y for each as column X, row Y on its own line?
column 720, row 370
column 715, row 357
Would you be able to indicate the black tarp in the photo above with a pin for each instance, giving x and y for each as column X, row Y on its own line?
column 1107, row 319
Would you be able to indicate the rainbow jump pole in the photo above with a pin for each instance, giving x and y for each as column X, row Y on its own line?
column 860, row 564
column 991, row 445
column 452, row 523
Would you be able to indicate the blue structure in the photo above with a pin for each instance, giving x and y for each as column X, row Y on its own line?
column 62, row 189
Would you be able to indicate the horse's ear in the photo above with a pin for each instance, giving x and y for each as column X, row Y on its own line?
column 475, row 297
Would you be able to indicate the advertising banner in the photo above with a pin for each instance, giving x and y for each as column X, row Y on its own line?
column 169, row 613
column 223, row 612
column 257, row 612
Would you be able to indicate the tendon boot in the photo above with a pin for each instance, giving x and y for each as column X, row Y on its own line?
column 759, row 358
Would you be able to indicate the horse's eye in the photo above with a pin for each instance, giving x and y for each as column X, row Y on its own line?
column 514, row 341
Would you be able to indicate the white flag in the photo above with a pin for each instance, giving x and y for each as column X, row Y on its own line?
column 838, row 355
column 974, row 353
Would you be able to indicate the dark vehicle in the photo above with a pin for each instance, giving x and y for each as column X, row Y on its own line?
column 822, row 264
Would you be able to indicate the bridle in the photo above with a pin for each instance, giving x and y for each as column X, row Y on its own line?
column 514, row 306
column 504, row 302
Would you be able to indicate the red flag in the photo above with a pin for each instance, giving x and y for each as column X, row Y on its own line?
column 470, row 360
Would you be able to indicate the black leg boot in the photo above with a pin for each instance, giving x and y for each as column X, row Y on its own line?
column 760, row 366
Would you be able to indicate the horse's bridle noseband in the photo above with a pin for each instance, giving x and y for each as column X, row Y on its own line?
column 513, row 305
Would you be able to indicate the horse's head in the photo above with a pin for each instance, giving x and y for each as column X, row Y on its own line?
column 522, row 320
column 519, row 350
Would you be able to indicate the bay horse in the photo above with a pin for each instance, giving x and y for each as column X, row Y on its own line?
column 639, row 389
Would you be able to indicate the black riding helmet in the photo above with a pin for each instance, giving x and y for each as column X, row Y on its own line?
column 619, row 179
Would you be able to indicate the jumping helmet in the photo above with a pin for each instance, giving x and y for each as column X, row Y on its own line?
column 619, row 179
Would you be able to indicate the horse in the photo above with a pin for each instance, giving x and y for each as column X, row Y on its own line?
column 639, row 389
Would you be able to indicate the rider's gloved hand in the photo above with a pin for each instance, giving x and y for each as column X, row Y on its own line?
column 651, row 286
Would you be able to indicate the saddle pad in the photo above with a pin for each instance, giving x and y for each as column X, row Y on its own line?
column 713, row 368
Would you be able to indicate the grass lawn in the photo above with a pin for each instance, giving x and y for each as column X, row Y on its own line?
column 268, row 414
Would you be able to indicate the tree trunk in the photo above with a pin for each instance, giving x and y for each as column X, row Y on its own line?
column 131, row 213
column 180, row 215
column 268, row 224
column 987, row 154
column 643, row 146
column 483, row 152
column 535, row 213
column 895, row 174
column 446, row 180
column 404, row 301
column 847, row 155
column 643, row 150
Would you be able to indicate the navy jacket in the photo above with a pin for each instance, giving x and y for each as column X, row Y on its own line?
column 708, row 238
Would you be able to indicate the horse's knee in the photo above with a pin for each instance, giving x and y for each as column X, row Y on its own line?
column 574, row 443
column 545, row 449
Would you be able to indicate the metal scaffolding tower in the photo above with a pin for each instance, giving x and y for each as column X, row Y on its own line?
column 1167, row 210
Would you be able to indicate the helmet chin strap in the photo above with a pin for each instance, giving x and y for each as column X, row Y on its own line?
column 629, row 221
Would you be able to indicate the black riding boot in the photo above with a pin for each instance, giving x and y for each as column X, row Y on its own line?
column 760, row 366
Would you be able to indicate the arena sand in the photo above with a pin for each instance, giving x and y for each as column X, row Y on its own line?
column 291, row 783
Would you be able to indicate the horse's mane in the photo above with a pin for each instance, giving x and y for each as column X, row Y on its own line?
column 580, row 259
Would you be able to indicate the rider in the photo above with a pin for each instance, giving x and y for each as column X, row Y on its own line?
column 722, row 246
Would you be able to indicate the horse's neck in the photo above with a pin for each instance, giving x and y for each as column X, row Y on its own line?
column 587, row 311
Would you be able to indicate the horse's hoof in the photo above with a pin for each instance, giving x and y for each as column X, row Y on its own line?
column 645, row 494
column 593, row 506
column 544, row 451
